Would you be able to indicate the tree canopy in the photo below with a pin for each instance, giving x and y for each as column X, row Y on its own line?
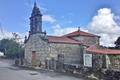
column 117, row 43
column 11, row 48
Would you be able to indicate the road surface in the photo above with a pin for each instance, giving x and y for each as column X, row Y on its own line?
column 9, row 72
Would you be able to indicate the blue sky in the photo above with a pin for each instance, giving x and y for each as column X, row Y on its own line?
column 14, row 14
column 101, row 17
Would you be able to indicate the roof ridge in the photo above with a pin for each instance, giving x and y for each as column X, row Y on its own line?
column 82, row 33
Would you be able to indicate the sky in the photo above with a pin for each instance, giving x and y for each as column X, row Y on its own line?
column 60, row 17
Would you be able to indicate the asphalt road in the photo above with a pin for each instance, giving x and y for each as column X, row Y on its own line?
column 9, row 72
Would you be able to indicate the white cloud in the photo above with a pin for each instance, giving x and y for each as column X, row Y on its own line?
column 48, row 18
column 8, row 35
column 58, row 30
column 5, row 34
column 117, row 17
column 103, row 24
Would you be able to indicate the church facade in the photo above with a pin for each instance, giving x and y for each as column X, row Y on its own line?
column 44, row 50
column 79, row 48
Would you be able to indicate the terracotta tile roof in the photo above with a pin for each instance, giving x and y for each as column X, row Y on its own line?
column 56, row 39
column 103, row 51
column 78, row 33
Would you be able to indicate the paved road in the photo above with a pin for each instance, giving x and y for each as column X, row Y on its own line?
column 8, row 72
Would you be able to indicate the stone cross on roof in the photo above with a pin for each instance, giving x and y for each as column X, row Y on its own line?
column 79, row 28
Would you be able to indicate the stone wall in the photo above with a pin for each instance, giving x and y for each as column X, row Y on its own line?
column 97, row 61
column 100, row 61
column 87, row 39
column 72, row 52
column 114, row 62
column 39, row 45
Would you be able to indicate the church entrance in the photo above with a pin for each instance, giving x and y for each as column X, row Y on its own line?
column 34, row 58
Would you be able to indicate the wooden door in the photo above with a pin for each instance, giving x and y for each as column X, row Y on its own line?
column 34, row 58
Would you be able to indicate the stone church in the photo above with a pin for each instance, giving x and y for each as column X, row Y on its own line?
column 68, row 49
column 44, row 50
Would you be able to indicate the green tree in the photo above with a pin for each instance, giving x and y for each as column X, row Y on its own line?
column 117, row 43
column 11, row 48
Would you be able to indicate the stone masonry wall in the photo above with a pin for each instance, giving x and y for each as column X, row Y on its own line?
column 87, row 39
column 72, row 52
column 40, row 46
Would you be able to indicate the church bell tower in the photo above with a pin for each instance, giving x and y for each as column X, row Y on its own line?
column 35, row 21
